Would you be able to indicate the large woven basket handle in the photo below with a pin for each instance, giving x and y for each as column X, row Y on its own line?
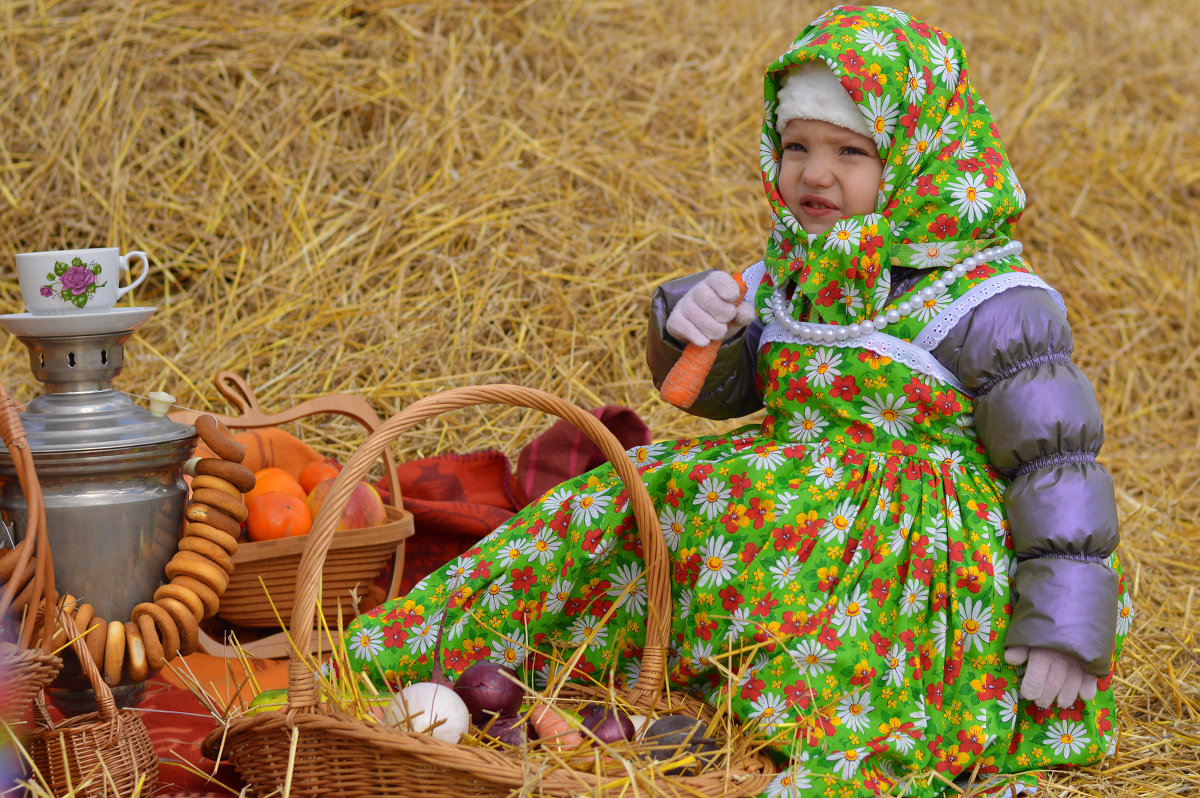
column 43, row 596
column 301, row 690
column 252, row 416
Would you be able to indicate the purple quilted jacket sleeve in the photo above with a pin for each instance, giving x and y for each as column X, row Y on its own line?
column 1036, row 413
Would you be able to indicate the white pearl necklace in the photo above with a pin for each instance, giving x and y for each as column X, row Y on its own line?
column 829, row 333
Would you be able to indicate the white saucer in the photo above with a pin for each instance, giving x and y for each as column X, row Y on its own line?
column 108, row 321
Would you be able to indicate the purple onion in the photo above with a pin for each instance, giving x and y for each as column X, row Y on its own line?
column 609, row 724
column 488, row 690
column 511, row 730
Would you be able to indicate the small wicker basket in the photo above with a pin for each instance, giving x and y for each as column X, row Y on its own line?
column 262, row 586
column 27, row 669
column 103, row 754
column 316, row 751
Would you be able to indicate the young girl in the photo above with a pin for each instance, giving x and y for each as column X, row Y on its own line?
column 910, row 559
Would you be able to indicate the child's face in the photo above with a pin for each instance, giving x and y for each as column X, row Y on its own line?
column 827, row 173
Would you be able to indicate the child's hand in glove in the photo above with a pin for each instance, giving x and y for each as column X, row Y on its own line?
column 1051, row 676
column 710, row 311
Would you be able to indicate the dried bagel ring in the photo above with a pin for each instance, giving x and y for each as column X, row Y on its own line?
column 156, row 654
column 185, row 623
column 83, row 617
column 207, row 596
column 216, row 483
column 184, row 596
column 203, row 514
column 235, row 508
column 199, row 567
column 65, row 606
column 168, row 629
column 206, row 548
column 236, row 473
column 96, row 638
column 210, row 533
column 217, row 437
column 114, row 653
column 137, row 669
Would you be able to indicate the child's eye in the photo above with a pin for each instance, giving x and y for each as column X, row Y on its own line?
column 794, row 147
column 854, row 151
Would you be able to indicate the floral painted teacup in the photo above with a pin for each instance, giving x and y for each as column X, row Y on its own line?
column 76, row 280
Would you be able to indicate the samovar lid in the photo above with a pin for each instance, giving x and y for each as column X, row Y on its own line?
column 107, row 419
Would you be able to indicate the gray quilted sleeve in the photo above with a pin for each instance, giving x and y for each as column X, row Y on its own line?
column 1036, row 413
column 729, row 391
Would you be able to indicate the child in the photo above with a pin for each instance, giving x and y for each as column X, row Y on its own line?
column 920, row 511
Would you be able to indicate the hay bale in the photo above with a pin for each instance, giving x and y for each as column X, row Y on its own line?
column 391, row 199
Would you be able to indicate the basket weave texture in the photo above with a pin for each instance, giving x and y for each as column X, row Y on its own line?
column 315, row 750
column 102, row 754
column 261, row 588
column 27, row 669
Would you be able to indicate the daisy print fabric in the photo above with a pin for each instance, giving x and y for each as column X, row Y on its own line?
column 947, row 191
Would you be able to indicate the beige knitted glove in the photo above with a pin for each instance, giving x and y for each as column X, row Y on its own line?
column 1051, row 676
column 710, row 311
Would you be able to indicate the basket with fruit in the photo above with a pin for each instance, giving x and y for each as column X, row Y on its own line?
column 487, row 734
column 291, row 483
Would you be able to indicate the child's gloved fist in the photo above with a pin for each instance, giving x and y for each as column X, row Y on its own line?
column 710, row 311
column 1051, row 676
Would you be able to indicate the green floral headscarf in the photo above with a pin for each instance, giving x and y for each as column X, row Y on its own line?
column 948, row 189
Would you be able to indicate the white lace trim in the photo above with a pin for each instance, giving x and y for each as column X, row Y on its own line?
column 752, row 277
column 881, row 343
column 940, row 326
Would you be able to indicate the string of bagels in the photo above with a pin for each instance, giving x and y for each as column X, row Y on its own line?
column 198, row 572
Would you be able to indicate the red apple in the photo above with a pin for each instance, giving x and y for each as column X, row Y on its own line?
column 364, row 508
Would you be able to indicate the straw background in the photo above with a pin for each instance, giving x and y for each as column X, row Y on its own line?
column 393, row 198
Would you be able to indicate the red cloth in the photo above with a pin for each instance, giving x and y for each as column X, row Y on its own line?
column 563, row 451
column 456, row 499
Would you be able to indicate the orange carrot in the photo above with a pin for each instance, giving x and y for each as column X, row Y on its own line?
column 686, row 378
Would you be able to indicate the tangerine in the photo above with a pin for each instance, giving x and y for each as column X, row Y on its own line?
column 315, row 472
column 275, row 479
column 276, row 514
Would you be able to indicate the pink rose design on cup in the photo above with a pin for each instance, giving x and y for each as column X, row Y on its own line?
column 77, row 279
column 73, row 282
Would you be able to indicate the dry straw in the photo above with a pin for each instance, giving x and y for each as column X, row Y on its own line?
column 393, row 198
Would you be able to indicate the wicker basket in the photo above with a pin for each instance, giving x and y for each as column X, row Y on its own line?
column 316, row 751
column 355, row 557
column 261, row 589
column 27, row 669
column 103, row 754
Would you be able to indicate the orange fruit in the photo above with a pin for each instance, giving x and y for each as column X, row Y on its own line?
column 275, row 479
column 315, row 472
column 276, row 514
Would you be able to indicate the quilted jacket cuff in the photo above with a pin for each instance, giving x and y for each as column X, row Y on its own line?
column 1067, row 605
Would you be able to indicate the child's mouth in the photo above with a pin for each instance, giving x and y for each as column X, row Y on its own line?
column 815, row 206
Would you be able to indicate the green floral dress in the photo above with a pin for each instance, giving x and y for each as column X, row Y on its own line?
column 848, row 560
column 854, row 546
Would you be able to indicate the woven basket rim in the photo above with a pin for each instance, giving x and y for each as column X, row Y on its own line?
column 493, row 766
column 397, row 528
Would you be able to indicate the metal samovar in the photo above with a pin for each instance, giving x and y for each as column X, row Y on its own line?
column 111, row 473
